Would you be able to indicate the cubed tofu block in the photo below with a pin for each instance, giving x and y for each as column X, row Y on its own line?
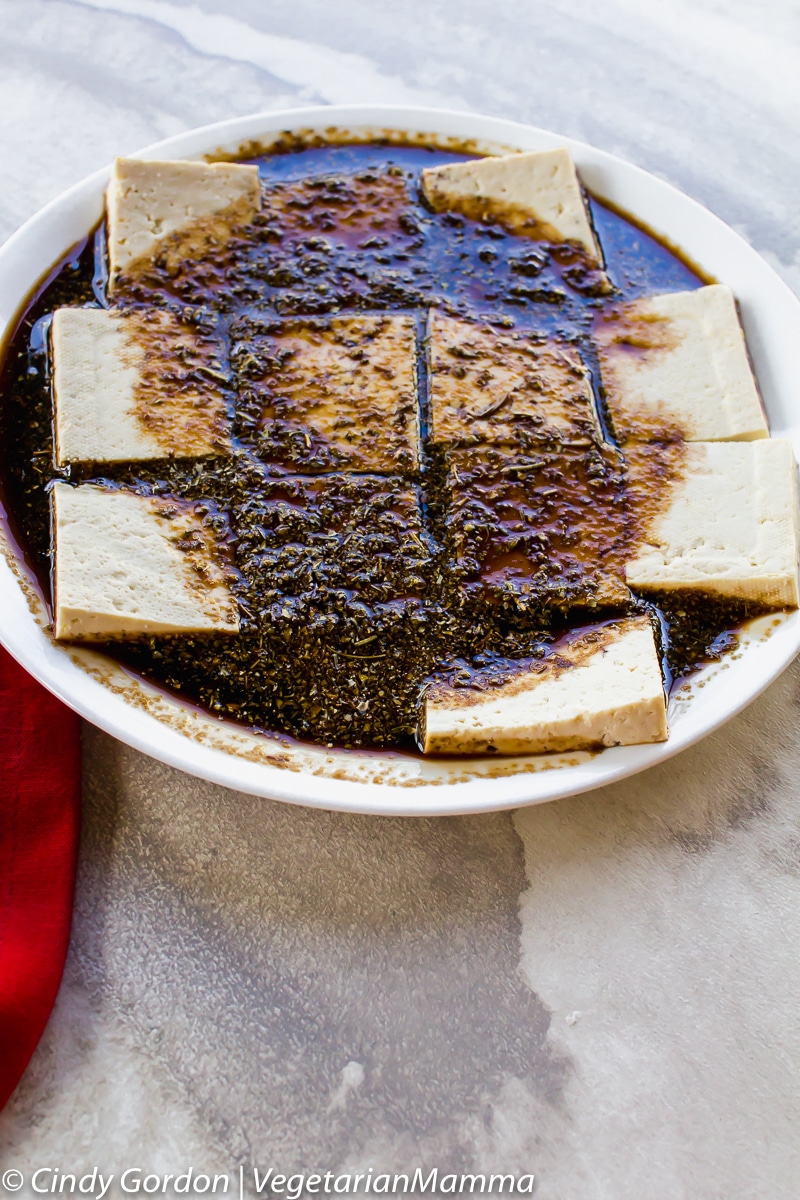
column 135, row 385
column 537, row 194
column 148, row 203
column 539, row 531
column 727, row 524
column 491, row 386
column 127, row 565
column 335, row 394
column 676, row 365
column 601, row 687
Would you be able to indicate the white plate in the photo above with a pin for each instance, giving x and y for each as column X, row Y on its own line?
column 376, row 782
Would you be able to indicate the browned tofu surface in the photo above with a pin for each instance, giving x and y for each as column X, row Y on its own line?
column 336, row 394
column 546, row 530
column 488, row 385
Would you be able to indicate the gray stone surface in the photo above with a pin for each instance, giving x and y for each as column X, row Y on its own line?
column 603, row 991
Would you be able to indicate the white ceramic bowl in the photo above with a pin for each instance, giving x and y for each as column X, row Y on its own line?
column 371, row 781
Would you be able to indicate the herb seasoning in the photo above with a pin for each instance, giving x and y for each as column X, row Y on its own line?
column 372, row 559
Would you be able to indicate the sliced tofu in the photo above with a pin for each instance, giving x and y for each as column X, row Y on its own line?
column 541, row 531
column 127, row 565
column 727, row 525
column 337, row 394
column 677, row 365
column 490, row 386
column 537, row 194
column 135, row 385
column 148, row 203
column 602, row 687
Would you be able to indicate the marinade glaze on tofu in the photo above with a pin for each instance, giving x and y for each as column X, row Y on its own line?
column 441, row 544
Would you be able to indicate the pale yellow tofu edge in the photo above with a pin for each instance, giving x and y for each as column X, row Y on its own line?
column 95, row 372
column 730, row 528
column 611, row 695
column 147, row 201
column 703, row 384
column 119, row 573
column 542, row 184
column 108, row 370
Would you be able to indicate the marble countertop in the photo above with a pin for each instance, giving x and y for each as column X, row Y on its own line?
column 602, row 991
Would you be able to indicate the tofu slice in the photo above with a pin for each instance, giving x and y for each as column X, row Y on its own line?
column 489, row 386
column 728, row 525
column 536, row 193
column 148, row 203
column 678, row 364
column 127, row 565
column 135, row 385
column 338, row 394
column 602, row 687
column 539, row 532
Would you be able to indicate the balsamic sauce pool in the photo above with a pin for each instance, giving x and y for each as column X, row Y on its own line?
column 359, row 601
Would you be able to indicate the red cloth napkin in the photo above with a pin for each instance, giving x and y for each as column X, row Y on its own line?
column 40, row 794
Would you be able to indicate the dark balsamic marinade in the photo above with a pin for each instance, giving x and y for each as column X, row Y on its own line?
column 355, row 588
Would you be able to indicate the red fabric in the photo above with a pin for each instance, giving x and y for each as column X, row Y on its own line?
column 40, row 791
